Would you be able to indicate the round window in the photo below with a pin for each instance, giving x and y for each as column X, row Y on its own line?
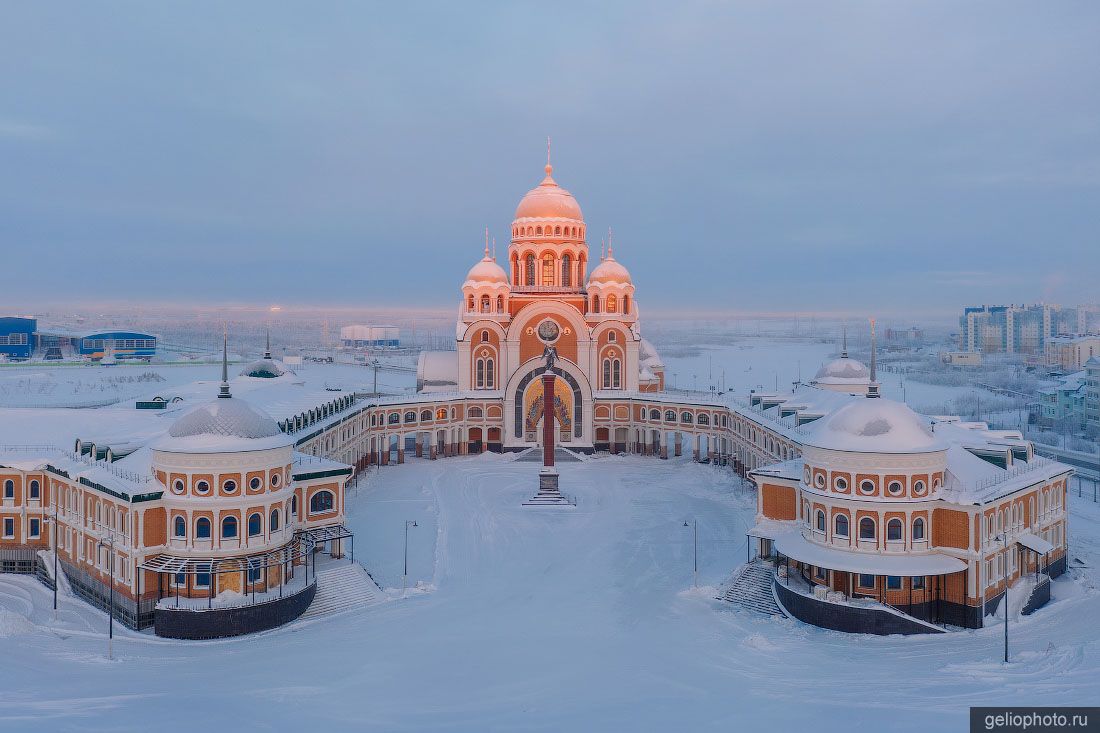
column 549, row 331
column 202, row 487
column 918, row 487
column 274, row 479
column 229, row 486
column 841, row 483
column 177, row 486
column 894, row 487
column 806, row 474
column 255, row 483
column 819, row 481
column 867, row 486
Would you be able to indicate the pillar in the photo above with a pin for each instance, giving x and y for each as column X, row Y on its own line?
column 419, row 445
column 695, row 448
column 401, row 449
column 548, row 419
column 679, row 445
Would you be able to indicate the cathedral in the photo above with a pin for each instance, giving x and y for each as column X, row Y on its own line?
column 548, row 298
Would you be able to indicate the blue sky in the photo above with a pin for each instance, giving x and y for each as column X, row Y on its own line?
column 900, row 157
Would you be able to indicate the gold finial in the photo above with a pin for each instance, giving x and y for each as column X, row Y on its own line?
column 486, row 242
column 549, row 168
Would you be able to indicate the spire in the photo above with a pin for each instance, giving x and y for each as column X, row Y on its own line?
column 267, row 351
column 486, row 242
column 603, row 249
column 609, row 249
column 494, row 249
column 872, row 388
column 844, row 348
column 223, row 391
column 549, row 168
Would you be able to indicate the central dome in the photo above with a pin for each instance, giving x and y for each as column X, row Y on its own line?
column 874, row 426
column 548, row 200
column 231, row 418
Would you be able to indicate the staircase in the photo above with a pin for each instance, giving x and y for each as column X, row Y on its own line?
column 561, row 455
column 342, row 588
column 751, row 587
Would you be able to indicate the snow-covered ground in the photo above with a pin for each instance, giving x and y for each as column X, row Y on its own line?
column 546, row 620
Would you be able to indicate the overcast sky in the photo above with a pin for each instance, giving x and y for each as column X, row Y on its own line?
column 766, row 156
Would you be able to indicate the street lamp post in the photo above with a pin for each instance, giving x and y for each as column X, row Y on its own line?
column 52, row 519
column 695, row 532
column 405, row 577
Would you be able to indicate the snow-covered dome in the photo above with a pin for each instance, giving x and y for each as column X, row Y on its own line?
column 548, row 200
column 610, row 272
column 843, row 371
column 265, row 369
column 874, row 426
column 486, row 272
column 232, row 417
column 222, row 425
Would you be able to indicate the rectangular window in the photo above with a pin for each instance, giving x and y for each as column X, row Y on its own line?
column 893, row 582
column 918, row 583
column 9, row 527
column 35, row 527
column 866, row 581
column 821, row 573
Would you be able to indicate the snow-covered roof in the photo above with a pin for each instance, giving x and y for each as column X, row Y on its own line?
column 437, row 371
column 874, row 426
column 794, row 545
column 265, row 369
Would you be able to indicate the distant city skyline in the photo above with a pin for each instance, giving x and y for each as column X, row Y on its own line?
column 895, row 159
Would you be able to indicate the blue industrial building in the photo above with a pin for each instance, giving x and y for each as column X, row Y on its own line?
column 17, row 337
column 122, row 344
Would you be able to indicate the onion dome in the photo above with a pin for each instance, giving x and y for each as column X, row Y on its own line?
column 264, row 369
column 874, row 426
column 610, row 272
column 548, row 200
column 485, row 272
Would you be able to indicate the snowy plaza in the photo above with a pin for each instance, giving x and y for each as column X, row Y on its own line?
column 515, row 619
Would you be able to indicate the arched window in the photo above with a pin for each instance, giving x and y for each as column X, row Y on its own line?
column 500, row 304
column 470, row 304
column 840, row 525
column 557, row 231
column 918, row 528
column 670, row 415
column 612, row 337
column 425, row 415
column 9, row 489
column 595, row 304
column 529, row 270
column 548, row 270
column 616, row 374
column 441, row 413
column 255, row 524
column 35, row 489
column 479, row 374
column 607, row 374
column 393, row 418
column 322, row 501
column 703, row 420
column 515, row 270
column 274, row 523
column 686, row 417
column 490, row 382
column 229, row 527
column 654, row 414
column 566, row 271
column 202, row 528
column 538, row 230
column 820, row 520
column 486, row 304
column 294, row 505
column 180, row 527
column 626, row 304
column 410, row 416
column 893, row 530
column 475, row 412
column 611, row 303
column 866, row 528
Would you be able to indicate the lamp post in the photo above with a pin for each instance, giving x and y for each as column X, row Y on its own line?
column 111, row 570
column 1004, row 541
column 52, row 519
column 405, row 577
column 694, row 524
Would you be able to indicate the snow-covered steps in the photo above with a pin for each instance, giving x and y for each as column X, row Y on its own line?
column 561, row 455
column 751, row 587
column 342, row 588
